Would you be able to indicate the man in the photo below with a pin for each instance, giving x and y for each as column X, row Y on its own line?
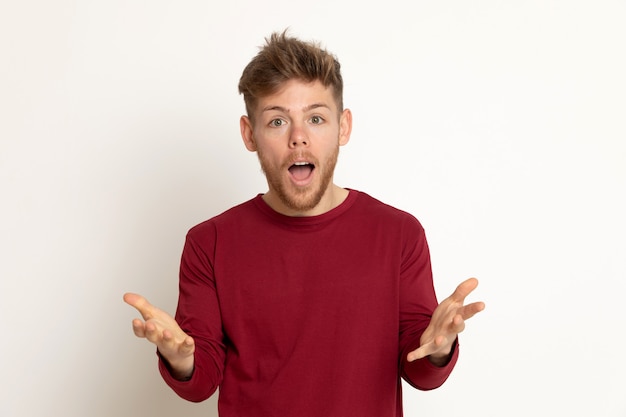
column 311, row 299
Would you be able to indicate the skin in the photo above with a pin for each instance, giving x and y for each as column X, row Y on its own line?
column 301, row 123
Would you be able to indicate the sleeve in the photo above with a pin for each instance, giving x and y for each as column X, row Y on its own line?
column 417, row 303
column 198, row 314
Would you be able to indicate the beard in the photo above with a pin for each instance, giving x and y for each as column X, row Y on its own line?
column 300, row 198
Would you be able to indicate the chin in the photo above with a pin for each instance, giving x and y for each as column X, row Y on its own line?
column 302, row 201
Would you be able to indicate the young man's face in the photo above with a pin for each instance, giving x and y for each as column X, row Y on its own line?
column 296, row 134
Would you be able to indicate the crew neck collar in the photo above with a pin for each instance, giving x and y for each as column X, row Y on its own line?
column 306, row 220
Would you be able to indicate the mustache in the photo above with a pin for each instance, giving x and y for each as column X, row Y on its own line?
column 299, row 157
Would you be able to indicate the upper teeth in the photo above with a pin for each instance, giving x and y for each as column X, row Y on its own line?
column 301, row 163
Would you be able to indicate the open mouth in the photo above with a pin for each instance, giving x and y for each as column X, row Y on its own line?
column 301, row 171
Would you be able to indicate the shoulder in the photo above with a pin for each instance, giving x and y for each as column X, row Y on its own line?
column 376, row 209
column 233, row 215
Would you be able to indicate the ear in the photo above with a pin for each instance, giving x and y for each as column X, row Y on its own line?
column 345, row 127
column 245, row 125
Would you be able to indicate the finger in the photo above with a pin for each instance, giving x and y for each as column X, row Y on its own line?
column 139, row 328
column 470, row 310
column 458, row 324
column 421, row 352
column 169, row 343
column 153, row 333
column 140, row 303
column 184, row 348
column 188, row 346
column 464, row 289
column 427, row 349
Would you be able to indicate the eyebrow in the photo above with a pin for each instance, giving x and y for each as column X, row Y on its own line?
column 307, row 108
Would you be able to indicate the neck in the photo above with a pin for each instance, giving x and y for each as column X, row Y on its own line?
column 332, row 198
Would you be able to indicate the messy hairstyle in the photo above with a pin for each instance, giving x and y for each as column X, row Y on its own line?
column 285, row 58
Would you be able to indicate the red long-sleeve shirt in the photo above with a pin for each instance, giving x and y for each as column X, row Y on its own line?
column 307, row 316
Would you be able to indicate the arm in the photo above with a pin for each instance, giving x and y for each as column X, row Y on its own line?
column 199, row 315
column 197, row 327
column 428, row 332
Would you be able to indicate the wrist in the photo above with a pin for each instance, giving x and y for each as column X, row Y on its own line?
column 181, row 369
column 441, row 359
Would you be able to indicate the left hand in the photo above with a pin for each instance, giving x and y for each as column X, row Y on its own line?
column 447, row 322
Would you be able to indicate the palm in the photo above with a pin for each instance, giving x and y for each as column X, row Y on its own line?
column 448, row 320
column 162, row 329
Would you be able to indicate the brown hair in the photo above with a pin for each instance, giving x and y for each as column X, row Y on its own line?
column 286, row 58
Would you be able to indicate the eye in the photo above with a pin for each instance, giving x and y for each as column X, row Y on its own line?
column 316, row 120
column 277, row 123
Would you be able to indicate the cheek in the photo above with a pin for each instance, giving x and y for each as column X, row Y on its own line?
column 264, row 131
column 270, row 157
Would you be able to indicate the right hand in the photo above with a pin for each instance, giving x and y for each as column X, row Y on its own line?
column 174, row 345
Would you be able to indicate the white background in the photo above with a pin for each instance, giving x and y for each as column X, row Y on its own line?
column 499, row 124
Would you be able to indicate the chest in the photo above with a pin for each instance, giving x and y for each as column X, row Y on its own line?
column 313, row 284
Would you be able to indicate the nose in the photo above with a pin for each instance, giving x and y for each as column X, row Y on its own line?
column 298, row 137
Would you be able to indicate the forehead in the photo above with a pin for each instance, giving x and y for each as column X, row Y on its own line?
column 296, row 95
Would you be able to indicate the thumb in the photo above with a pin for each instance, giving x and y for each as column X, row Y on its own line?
column 140, row 303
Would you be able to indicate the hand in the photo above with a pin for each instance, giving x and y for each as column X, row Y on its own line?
column 447, row 322
column 160, row 328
